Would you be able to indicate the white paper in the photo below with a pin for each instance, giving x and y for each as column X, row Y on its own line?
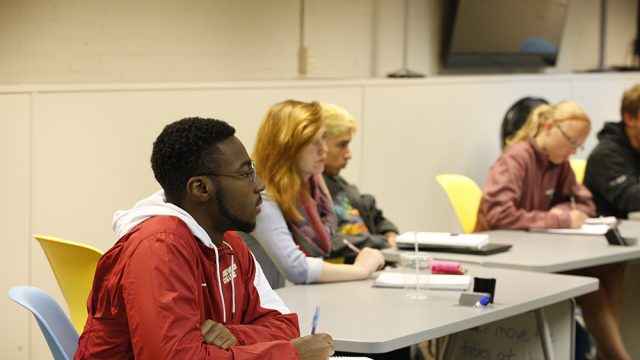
column 443, row 239
column 586, row 229
column 606, row 220
column 434, row 281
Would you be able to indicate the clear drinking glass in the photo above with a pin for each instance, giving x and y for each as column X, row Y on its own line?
column 416, row 273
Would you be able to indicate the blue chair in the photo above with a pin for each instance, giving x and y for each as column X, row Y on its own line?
column 60, row 334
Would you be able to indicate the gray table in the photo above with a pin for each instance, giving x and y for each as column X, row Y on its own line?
column 543, row 252
column 374, row 320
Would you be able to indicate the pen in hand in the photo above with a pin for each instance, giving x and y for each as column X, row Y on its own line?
column 573, row 202
column 314, row 321
column 351, row 246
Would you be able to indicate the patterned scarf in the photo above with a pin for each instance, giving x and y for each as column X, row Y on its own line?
column 314, row 231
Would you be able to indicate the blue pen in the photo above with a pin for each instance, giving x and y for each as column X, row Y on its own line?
column 314, row 322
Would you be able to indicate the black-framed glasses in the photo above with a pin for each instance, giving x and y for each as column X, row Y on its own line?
column 251, row 174
column 576, row 145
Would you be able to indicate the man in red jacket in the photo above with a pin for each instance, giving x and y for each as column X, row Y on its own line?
column 180, row 283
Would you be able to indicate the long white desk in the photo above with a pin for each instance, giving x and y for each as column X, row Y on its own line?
column 364, row 319
column 543, row 252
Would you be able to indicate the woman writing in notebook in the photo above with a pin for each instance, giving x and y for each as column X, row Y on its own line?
column 297, row 222
column 532, row 185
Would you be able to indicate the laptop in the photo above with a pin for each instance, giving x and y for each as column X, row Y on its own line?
column 486, row 249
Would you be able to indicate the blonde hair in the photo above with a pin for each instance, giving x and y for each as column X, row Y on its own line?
column 337, row 120
column 286, row 129
column 631, row 101
column 566, row 110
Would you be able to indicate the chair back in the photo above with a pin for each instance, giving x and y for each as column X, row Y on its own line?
column 74, row 265
column 60, row 334
column 464, row 195
column 271, row 272
column 578, row 166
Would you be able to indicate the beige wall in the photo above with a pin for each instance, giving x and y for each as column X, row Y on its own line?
column 73, row 154
column 94, row 41
column 15, row 243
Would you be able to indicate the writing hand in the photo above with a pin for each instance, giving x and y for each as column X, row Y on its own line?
column 217, row 334
column 557, row 211
column 369, row 260
column 577, row 218
column 314, row 347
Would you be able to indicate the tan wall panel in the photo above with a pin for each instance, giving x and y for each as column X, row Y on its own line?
column 91, row 150
column 434, row 128
column 15, row 239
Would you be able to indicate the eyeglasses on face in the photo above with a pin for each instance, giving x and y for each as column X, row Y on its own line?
column 576, row 145
column 251, row 174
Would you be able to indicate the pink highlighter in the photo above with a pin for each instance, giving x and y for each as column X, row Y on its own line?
column 446, row 267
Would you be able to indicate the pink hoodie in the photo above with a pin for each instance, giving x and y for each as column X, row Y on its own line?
column 522, row 186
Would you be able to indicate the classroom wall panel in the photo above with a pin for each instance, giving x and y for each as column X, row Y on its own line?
column 15, row 240
column 61, row 41
column 414, row 132
column 601, row 97
column 92, row 149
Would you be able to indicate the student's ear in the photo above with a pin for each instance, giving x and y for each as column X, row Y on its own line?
column 629, row 120
column 200, row 189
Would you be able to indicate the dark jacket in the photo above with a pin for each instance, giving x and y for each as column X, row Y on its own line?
column 371, row 215
column 613, row 171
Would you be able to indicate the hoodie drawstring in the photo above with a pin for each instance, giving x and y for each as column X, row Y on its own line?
column 232, row 279
column 224, row 308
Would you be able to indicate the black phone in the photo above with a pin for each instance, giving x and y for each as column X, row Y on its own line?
column 614, row 237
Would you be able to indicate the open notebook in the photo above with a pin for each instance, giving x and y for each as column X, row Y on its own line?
column 592, row 226
column 586, row 229
column 434, row 281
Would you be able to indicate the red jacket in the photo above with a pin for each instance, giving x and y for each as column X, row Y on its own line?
column 158, row 283
column 522, row 187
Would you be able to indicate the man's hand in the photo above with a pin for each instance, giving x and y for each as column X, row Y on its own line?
column 312, row 347
column 217, row 334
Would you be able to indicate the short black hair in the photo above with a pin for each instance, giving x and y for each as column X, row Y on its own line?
column 186, row 148
column 517, row 115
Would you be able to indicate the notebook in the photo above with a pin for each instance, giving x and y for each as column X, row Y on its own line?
column 586, row 229
column 434, row 281
column 606, row 220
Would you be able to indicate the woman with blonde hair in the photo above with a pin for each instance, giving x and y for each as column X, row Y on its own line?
column 532, row 185
column 297, row 222
column 360, row 221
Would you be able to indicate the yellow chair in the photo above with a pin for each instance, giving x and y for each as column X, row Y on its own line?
column 464, row 195
column 74, row 265
column 578, row 166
